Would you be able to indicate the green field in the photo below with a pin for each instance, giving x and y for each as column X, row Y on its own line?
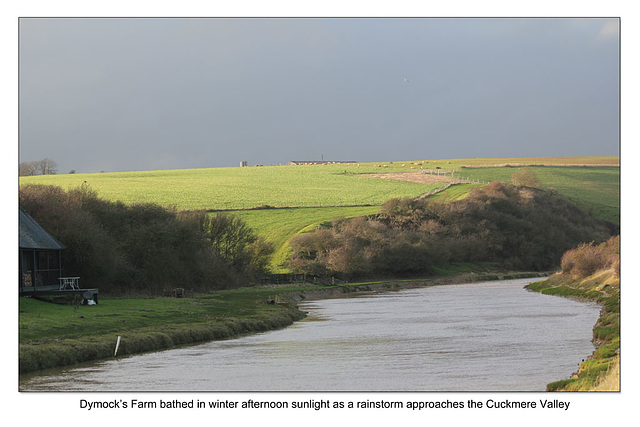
column 309, row 195
column 243, row 188
column 596, row 189
column 286, row 186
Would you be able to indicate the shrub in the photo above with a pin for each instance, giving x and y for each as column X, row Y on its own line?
column 522, row 228
column 144, row 248
column 588, row 258
column 525, row 178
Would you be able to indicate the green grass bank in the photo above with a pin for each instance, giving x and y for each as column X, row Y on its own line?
column 54, row 335
column 602, row 287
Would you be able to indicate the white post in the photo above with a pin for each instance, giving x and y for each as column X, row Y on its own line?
column 117, row 345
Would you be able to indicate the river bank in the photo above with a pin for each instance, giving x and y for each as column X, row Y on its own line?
column 599, row 370
column 346, row 290
column 53, row 336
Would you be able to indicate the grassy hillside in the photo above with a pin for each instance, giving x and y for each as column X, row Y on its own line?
column 597, row 189
column 306, row 185
column 321, row 193
column 243, row 188
column 455, row 192
column 279, row 225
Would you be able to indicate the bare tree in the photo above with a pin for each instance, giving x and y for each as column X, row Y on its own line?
column 27, row 168
column 39, row 167
column 48, row 167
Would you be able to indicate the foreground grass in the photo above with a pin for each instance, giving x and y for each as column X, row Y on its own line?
column 603, row 288
column 52, row 335
column 610, row 381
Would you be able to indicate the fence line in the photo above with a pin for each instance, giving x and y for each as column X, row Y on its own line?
column 302, row 204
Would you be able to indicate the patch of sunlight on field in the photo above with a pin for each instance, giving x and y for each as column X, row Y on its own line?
column 280, row 225
column 453, row 193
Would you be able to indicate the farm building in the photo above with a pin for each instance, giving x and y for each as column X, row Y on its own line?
column 318, row 162
column 40, row 263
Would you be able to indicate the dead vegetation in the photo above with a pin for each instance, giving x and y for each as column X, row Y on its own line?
column 419, row 177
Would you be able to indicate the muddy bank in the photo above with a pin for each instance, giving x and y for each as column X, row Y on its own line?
column 347, row 290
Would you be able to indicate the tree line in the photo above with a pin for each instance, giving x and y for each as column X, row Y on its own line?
column 145, row 248
column 38, row 167
column 516, row 227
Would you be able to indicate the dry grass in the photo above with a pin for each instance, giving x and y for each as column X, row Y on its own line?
column 610, row 381
column 418, row 177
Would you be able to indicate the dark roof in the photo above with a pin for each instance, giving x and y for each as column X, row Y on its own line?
column 33, row 236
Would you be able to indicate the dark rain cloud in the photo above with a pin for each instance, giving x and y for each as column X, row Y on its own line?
column 140, row 94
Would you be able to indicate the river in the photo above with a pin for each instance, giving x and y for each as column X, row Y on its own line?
column 490, row 336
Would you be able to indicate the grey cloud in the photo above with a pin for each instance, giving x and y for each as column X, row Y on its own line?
column 120, row 94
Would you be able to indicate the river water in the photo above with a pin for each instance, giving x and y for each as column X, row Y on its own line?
column 490, row 336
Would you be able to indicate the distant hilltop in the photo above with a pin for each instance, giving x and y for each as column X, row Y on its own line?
column 319, row 162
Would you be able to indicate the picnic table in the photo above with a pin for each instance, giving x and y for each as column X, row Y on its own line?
column 69, row 283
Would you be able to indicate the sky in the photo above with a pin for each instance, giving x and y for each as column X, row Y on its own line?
column 121, row 94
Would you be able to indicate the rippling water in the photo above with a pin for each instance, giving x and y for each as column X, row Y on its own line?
column 491, row 336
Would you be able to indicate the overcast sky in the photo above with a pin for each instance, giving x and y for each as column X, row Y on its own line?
column 142, row 94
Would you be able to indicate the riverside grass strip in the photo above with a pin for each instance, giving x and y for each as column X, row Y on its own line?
column 605, row 290
column 52, row 335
